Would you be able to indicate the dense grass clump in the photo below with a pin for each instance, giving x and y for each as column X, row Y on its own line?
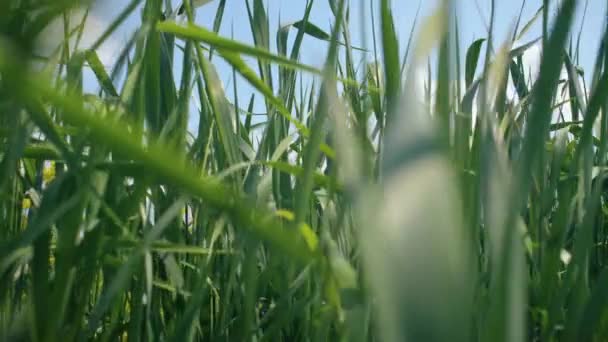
column 369, row 205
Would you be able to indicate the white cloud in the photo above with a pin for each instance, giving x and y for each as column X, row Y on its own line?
column 531, row 59
column 53, row 35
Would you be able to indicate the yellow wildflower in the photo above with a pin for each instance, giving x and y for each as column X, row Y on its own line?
column 26, row 203
column 48, row 173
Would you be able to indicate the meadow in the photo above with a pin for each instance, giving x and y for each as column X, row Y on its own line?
column 427, row 191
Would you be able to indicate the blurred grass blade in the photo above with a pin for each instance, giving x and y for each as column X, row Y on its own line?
column 471, row 61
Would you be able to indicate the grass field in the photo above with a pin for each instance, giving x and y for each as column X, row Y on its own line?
column 371, row 205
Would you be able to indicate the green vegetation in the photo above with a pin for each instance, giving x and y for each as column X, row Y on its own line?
column 371, row 205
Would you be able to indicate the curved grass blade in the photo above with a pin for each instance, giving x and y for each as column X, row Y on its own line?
column 471, row 61
column 201, row 34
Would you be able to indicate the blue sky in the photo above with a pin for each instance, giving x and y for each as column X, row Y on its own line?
column 472, row 16
column 471, row 13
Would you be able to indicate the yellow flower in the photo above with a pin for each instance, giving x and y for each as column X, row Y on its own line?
column 26, row 203
column 48, row 173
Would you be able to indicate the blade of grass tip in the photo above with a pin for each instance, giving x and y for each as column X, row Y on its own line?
column 295, row 53
column 482, row 103
column 102, row 76
column 463, row 120
column 312, row 152
column 73, row 73
column 184, row 96
column 318, row 33
column 123, row 59
column 169, row 102
column 518, row 51
column 65, row 45
column 258, row 21
column 217, row 22
column 529, row 24
column 250, row 111
column 151, row 68
column 471, row 61
column 409, row 40
column 518, row 21
column 221, row 109
column 576, row 94
column 501, row 79
column 580, row 31
column 599, row 60
column 444, row 78
column 545, row 23
column 518, row 79
column 311, row 29
column 390, row 46
column 376, row 71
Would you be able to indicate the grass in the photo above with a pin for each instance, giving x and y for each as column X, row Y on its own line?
column 369, row 205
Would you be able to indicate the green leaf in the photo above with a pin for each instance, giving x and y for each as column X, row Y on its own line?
column 100, row 72
column 201, row 34
column 311, row 29
column 471, row 61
